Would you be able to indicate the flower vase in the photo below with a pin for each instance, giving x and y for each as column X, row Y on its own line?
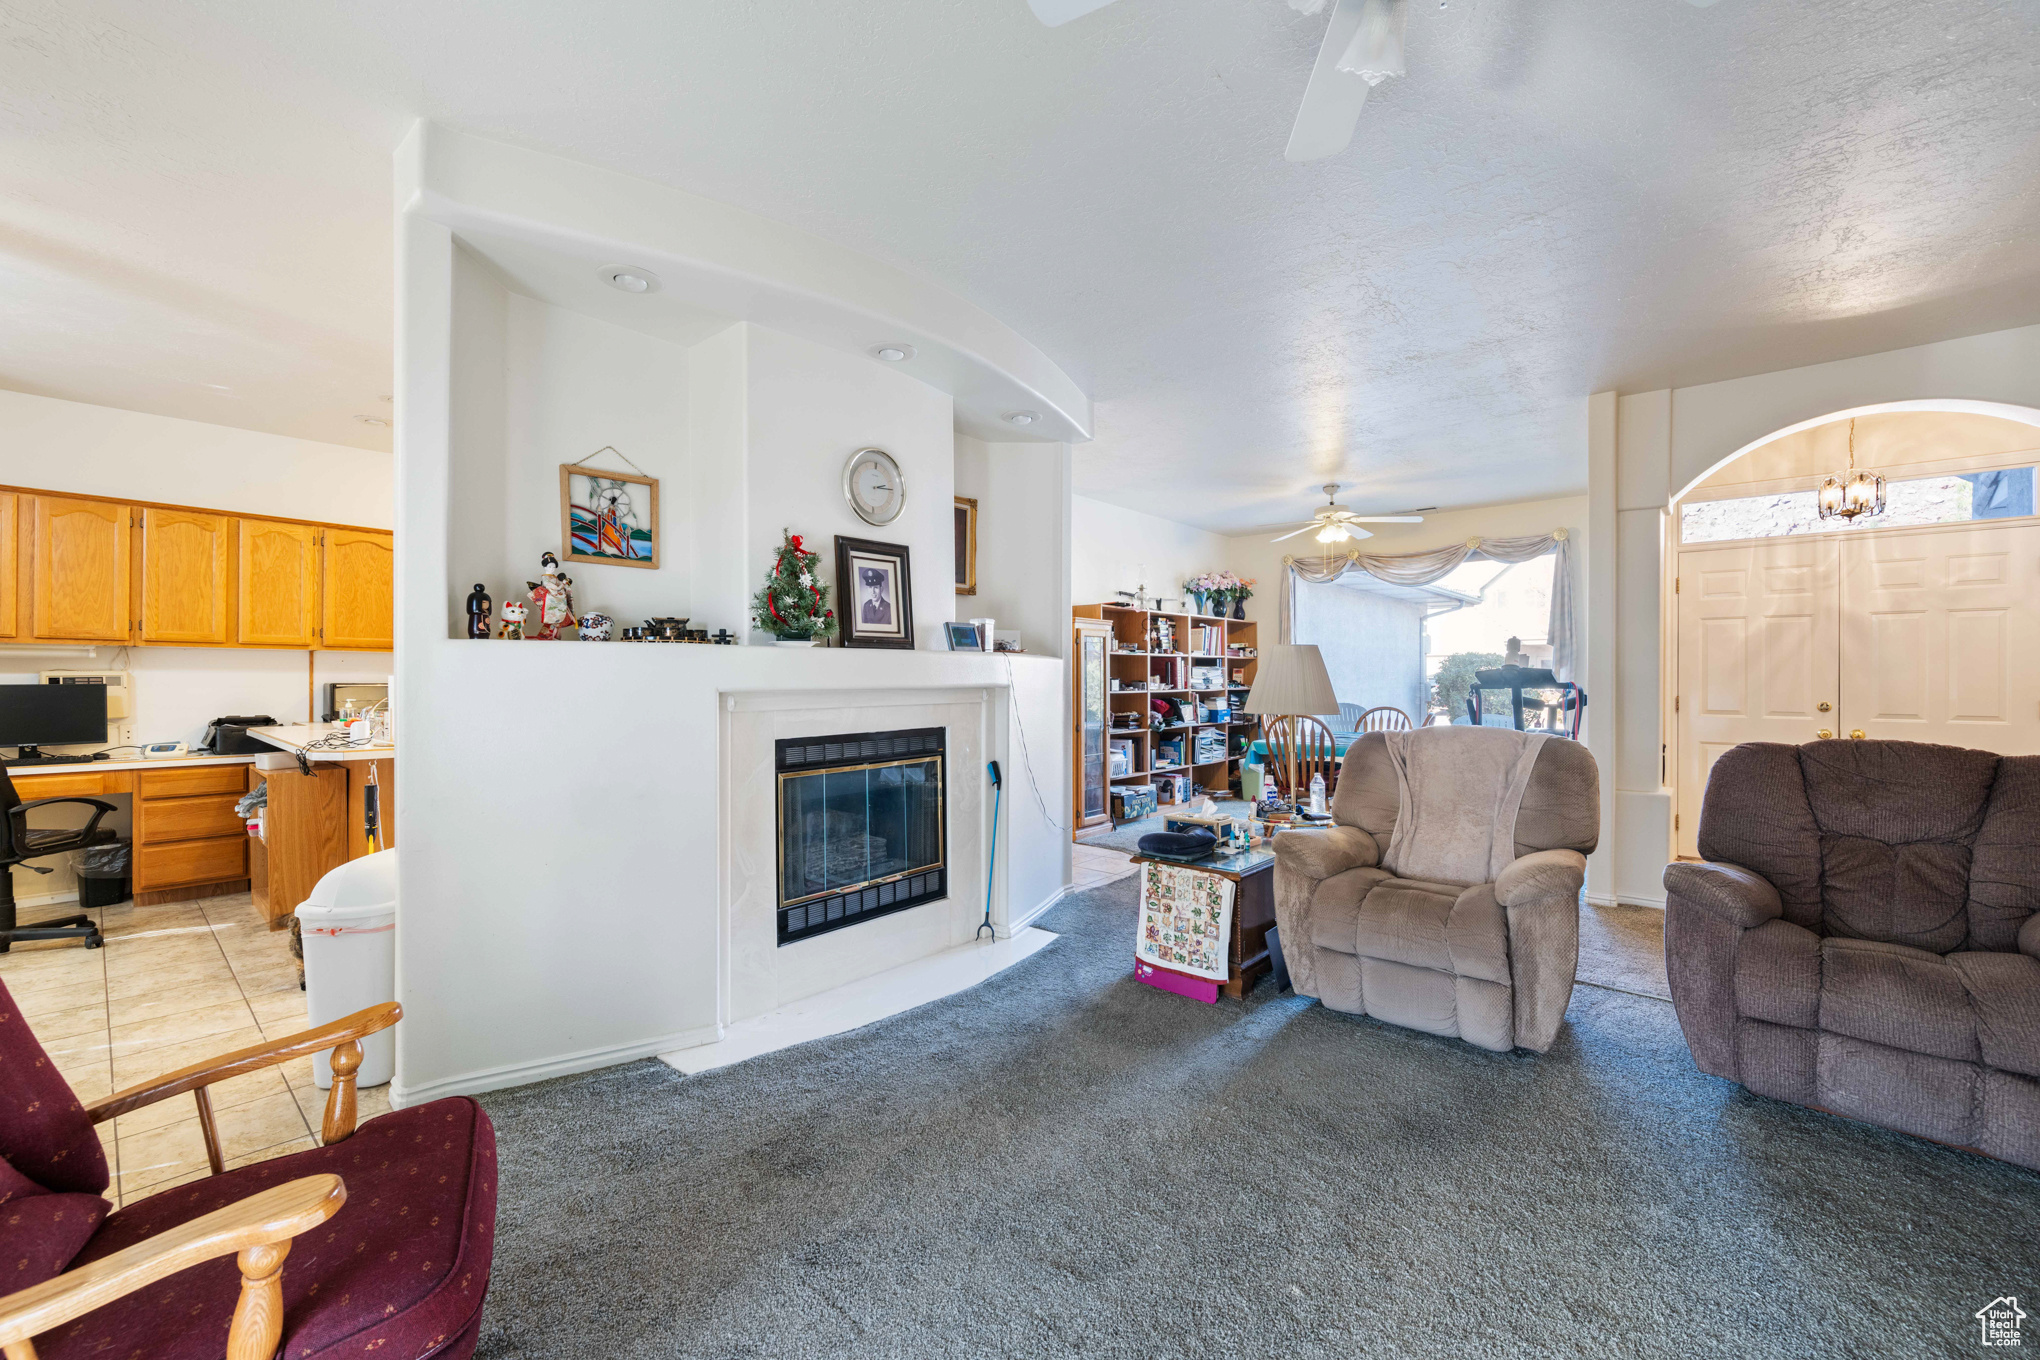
column 1196, row 601
column 1239, row 609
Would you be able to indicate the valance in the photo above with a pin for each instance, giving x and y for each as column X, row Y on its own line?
column 1419, row 569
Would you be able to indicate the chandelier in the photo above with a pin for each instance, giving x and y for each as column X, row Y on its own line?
column 1858, row 493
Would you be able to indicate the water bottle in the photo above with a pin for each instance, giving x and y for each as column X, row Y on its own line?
column 1317, row 794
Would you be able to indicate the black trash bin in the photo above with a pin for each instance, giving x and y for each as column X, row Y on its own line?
column 103, row 874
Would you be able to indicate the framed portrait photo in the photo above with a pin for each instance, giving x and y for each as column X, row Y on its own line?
column 608, row 518
column 874, row 593
column 966, row 545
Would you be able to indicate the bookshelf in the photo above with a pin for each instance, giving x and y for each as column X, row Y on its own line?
column 1194, row 662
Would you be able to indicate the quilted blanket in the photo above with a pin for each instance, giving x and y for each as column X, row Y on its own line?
column 1185, row 920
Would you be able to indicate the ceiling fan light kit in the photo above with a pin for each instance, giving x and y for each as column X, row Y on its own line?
column 1336, row 523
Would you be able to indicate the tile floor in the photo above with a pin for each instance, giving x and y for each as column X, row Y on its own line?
column 1092, row 865
column 174, row 984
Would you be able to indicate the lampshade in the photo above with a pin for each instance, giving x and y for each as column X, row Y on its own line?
column 1292, row 679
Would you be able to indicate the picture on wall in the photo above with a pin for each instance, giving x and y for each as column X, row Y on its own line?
column 875, row 594
column 609, row 518
column 966, row 545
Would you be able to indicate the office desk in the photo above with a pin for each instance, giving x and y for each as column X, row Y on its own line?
column 188, row 841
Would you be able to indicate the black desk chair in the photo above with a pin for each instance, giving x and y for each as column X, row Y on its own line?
column 19, row 843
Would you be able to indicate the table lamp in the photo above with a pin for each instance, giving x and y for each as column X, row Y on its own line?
column 1291, row 680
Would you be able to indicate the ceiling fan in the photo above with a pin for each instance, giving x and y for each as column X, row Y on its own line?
column 1335, row 523
column 1363, row 46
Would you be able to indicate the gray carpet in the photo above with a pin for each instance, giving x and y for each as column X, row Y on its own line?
column 1624, row 948
column 1063, row 1162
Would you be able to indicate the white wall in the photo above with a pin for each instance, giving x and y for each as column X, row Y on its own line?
column 1659, row 443
column 98, row 451
column 1023, row 558
column 811, row 408
column 559, row 804
column 1113, row 549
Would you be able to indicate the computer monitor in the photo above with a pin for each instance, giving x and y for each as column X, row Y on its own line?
column 51, row 715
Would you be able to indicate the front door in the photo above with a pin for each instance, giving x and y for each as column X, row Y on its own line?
column 1758, row 655
column 1940, row 637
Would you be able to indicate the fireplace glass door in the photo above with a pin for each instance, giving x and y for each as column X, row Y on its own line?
column 861, row 828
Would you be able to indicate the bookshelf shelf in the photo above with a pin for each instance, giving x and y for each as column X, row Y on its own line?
column 1167, row 648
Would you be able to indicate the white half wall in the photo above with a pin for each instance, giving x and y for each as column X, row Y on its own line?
column 1024, row 524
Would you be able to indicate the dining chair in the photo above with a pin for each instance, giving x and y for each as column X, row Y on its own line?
column 1300, row 747
column 1384, row 718
column 1349, row 718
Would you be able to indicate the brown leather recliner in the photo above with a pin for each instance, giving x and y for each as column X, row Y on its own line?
column 1446, row 895
column 1863, row 936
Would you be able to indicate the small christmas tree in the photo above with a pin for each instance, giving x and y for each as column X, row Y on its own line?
column 793, row 603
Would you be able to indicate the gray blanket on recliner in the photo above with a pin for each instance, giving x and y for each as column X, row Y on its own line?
column 1459, row 799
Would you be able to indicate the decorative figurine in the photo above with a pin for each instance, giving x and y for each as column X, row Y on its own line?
column 478, row 612
column 724, row 638
column 596, row 627
column 552, row 597
column 512, row 629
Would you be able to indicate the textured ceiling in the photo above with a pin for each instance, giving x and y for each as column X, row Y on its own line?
column 1562, row 196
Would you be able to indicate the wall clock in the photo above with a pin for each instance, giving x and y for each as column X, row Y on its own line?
column 874, row 487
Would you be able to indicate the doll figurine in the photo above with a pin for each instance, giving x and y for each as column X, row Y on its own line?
column 512, row 629
column 478, row 612
column 553, row 598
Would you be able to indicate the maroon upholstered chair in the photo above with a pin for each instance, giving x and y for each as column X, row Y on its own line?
column 377, row 1242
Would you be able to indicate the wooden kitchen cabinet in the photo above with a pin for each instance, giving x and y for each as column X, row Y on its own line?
column 188, row 841
column 10, row 565
column 359, row 594
column 186, row 574
column 278, row 590
column 79, row 566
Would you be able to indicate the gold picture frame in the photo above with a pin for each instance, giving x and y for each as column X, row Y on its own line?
column 966, row 545
column 603, row 522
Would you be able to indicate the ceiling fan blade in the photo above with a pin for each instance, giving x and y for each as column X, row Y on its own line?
column 1332, row 100
column 1386, row 519
column 1056, row 13
column 1294, row 532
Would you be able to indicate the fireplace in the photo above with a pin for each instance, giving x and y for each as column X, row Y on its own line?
column 861, row 823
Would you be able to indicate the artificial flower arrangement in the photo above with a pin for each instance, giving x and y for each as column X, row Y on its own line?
column 1222, row 588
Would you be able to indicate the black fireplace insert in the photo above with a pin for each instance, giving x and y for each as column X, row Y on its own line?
column 862, row 824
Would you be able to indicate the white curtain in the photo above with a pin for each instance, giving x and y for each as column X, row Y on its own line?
column 1418, row 569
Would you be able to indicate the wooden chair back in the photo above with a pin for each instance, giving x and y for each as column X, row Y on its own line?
column 1384, row 718
column 1298, row 749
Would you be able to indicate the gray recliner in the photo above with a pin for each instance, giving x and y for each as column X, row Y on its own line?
column 1864, row 937
column 1446, row 895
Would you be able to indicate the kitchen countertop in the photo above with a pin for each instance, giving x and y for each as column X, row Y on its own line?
column 298, row 737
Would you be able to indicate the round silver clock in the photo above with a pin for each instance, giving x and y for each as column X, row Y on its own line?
column 874, row 487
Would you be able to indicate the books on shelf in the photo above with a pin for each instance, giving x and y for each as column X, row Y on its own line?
column 1207, row 677
column 1122, row 758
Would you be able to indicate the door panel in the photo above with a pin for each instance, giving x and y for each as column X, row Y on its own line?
column 1941, row 637
column 278, row 589
column 359, row 580
column 1757, row 655
column 184, row 577
column 80, row 567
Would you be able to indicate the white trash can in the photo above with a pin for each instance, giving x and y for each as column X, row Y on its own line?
column 349, row 924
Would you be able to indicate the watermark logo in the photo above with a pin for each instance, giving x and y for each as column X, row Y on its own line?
column 1998, row 1321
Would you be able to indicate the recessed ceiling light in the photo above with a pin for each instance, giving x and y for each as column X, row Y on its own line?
column 377, row 421
column 894, row 354
column 629, row 278
column 1020, row 417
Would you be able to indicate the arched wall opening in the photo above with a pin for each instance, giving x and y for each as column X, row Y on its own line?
column 1766, row 609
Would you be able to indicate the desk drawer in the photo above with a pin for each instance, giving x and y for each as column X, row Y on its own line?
column 198, row 779
column 186, row 819
column 92, row 785
column 170, row 866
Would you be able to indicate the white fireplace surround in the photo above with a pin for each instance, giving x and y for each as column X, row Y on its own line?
column 755, row 975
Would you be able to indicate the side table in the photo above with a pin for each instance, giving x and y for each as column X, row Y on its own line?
column 1253, row 910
